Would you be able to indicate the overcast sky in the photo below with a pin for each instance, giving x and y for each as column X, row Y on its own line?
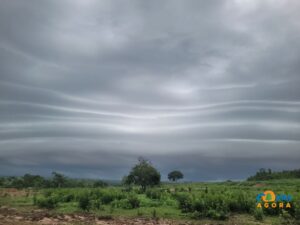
column 208, row 87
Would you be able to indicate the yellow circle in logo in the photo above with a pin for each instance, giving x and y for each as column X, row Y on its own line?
column 269, row 196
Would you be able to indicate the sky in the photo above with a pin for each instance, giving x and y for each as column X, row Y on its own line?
column 210, row 88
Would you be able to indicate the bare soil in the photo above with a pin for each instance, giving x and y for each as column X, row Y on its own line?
column 10, row 216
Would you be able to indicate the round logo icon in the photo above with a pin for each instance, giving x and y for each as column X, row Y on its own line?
column 269, row 196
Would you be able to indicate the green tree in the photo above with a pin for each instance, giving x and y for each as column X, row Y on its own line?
column 33, row 180
column 143, row 174
column 59, row 180
column 175, row 175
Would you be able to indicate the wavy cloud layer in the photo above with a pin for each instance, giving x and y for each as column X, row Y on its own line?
column 208, row 87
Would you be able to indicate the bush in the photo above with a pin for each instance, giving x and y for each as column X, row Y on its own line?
column 258, row 214
column 185, row 202
column 153, row 194
column 199, row 206
column 245, row 203
column 133, row 201
column 217, row 215
column 286, row 218
column 96, row 204
column 68, row 197
column 297, row 212
column 46, row 202
column 107, row 197
column 84, row 202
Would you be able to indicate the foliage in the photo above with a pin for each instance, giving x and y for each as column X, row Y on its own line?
column 84, row 202
column 56, row 181
column 175, row 175
column 59, row 180
column 46, row 202
column 268, row 174
column 143, row 174
column 153, row 193
column 215, row 201
column 100, row 183
column 258, row 214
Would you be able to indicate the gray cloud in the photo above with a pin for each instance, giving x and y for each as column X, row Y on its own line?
column 208, row 87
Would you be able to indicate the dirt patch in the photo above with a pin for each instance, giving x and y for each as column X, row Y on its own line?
column 9, row 216
column 13, row 192
column 259, row 185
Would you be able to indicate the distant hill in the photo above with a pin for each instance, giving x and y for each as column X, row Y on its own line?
column 268, row 174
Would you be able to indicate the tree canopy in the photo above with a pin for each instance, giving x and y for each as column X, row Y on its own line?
column 143, row 174
column 268, row 174
column 57, row 180
column 175, row 175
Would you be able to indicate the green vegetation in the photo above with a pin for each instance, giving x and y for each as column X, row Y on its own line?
column 56, row 181
column 142, row 195
column 194, row 201
column 175, row 175
column 268, row 174
column 143, row 174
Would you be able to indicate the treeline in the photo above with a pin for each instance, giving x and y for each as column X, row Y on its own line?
column 57, row 180
column 268, row 174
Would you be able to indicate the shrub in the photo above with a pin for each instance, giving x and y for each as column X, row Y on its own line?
column 84, row 202
column 199, row 205
column 67, row 197
column 286, row 218
column 133, row 201
column 258, row 214
column 96, row 204
column 217, row 215
column 107, row 198
column 297, row 212
column 185, row 202
column 223, row 215
column 245, row 203
column 153, row 193
column 47, row 193
column 48, row 202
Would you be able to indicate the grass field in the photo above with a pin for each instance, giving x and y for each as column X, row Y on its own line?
column 196, row 203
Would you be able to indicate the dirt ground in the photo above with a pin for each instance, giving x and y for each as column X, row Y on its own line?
column 13, row 192
column 10, row 216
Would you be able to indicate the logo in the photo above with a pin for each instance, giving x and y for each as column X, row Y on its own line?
column 269, row 199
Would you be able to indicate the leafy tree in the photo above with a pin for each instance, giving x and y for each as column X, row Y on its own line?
column 59, row 180
column 264, row 174
column 33, row 181
column 17, row 182
column 175, row 175
column 143, row 174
